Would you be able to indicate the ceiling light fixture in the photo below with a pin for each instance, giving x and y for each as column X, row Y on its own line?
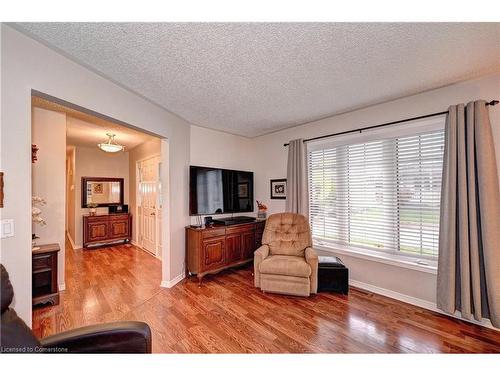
column 111, row 145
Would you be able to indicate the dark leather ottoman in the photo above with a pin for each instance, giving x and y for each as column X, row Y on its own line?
column 333, row 275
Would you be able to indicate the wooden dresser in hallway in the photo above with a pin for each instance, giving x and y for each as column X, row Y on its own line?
column 101, row 229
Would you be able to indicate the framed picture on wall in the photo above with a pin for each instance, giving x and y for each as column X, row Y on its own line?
column 98, row 188
column 278, row 188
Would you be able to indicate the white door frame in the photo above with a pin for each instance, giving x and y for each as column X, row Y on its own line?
column 167, row 217
column 165, row 214
column 137, row 205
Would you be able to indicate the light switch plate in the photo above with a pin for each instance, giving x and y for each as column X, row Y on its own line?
column 7, row 228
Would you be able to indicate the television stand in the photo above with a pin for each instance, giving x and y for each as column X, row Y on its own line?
column 235, row 220
column 213, row 249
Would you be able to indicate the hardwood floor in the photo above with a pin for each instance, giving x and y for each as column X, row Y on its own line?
column 228, row 315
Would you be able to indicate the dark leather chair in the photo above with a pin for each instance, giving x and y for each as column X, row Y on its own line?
column 117, row 337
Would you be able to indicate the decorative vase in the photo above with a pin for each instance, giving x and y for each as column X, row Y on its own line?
column 261, row 214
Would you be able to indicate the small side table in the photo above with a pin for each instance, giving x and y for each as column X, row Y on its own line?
column 44, row 279
column 333, row 275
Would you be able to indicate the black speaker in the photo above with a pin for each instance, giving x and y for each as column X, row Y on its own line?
column 208, row 221
column 118, row 209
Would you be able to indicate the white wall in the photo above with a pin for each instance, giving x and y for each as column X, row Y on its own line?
column 141, row 152
column 48, row 178
column 92, row 162
column 212, row 148
column 272, row 158
column 26, row 65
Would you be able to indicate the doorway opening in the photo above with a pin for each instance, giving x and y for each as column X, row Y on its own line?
column 96, row 200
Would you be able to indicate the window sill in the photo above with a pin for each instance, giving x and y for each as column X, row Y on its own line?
column 393, row 260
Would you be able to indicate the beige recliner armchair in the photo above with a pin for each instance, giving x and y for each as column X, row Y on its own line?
column 286, row 263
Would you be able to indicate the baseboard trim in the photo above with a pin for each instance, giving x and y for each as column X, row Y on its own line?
column 416, row 302
column 73, row 245
column 62, row 286
column 395, row 295
column 171, row 283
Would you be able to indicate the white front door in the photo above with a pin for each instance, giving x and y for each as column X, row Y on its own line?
column 149, row 205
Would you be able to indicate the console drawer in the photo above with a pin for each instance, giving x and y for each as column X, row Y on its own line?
column 42, row 261
column 118, row 217
column 210, row 233
column 240, row 229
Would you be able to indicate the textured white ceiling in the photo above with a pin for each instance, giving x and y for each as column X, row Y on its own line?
column 254, row 78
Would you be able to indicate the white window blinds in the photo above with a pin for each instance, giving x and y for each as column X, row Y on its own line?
column 380, row 194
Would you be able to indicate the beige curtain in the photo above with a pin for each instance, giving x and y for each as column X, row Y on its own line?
column 297, row 199
column 469, row 243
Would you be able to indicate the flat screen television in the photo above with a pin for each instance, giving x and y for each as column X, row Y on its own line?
column 219, row 191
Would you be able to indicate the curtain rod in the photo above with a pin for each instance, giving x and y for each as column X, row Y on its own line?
column 492, row 103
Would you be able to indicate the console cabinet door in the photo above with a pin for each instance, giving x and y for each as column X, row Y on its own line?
column 213, row 253
column 119, row 228
column 248, row 244
column 97, row 230
column 233, row 248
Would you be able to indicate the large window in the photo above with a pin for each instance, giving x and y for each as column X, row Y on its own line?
column 379, row 190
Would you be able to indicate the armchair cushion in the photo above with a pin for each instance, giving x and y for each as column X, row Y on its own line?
column 7, row 292
column 15, row 335
column 259, row 255
column 312, row 260
column 285, row 265
column 287, row 234
column 116, row 337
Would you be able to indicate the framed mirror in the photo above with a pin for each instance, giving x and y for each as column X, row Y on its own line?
column 103, row 191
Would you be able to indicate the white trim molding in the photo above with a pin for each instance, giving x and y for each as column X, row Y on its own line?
column 397, row 261
column 416, row 302
column 171, row 283
column 62, row 286
column 73, row 245
column 395, row 295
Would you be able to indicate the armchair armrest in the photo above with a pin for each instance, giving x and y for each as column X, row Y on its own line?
column 312, row 259
column 259, row 255
column 116, row 337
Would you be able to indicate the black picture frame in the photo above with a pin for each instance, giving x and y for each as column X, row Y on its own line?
column 273, row 188
column 85, row 180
